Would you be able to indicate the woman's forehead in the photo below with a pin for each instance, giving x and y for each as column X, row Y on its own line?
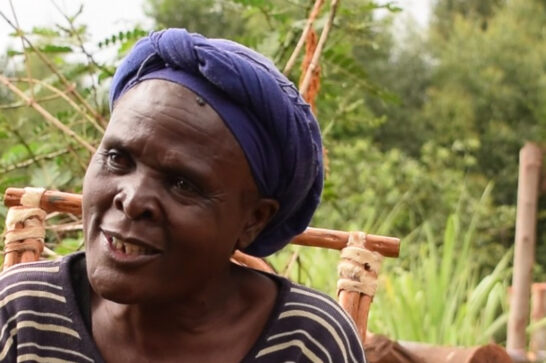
column 165, row 119
column 168, row 105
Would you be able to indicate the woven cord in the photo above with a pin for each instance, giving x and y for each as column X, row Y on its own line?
column 32, row 197
column 358, row 267
column 25, row 231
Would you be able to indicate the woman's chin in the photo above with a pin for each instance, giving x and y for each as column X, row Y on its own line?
column 109, row 288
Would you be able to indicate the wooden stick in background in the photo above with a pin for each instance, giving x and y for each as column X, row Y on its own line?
column 53, row 201
column 530, row 164
column 537, row 342
column 312, row 16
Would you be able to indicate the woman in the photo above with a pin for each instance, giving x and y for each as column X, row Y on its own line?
column 209, row 149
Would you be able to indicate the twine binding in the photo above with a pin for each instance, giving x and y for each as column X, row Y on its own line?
column 25, row 230
column 358, row 267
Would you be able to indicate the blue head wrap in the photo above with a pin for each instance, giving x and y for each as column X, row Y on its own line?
column 273, row 125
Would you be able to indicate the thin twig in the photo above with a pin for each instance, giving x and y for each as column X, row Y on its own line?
column 50, row 253
column 320, row 45
column 57, row 91
column 312, row 17
column 82, row 164
column 52, row 68
column 66, row 227
column 20, row 33
column 23, row 142
column 50, row 118
column 28, row 162
column 90, row 59
column 288, row 268
column 24, row 104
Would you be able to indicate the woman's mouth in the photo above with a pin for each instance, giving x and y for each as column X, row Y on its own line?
column 129, row 248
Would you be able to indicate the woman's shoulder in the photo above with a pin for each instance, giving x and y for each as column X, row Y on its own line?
column 41, row 283
column 29, row 273
column 311, row 325
column 38, row 315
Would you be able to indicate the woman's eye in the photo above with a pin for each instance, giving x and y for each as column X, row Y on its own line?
column 117, row 159
column 183, row 186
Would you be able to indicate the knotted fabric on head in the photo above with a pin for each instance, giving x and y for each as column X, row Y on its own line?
column 271, row 122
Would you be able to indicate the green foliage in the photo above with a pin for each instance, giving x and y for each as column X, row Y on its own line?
column 69, row 245
column 473, row 84
column 441, row 297
column 415, row 124
column 58, row 72
column 208, row 17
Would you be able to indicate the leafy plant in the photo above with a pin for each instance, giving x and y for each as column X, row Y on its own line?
column 441, row 297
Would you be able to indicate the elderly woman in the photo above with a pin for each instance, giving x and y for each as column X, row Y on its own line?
column 209, row 149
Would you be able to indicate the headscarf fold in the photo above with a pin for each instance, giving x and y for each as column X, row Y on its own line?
column 274, row 126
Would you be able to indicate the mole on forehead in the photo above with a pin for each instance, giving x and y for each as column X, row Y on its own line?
column 200, row 101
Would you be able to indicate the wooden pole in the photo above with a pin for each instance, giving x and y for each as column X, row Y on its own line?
column 362, row 317
column 54, row 201
column 51, row 201
column 322, row 41
column 328, row 238
column 490, row 353
column 530, row 163
column 312, row 16
column 537, row 344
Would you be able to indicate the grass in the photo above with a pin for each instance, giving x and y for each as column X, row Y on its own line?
column 441, row 298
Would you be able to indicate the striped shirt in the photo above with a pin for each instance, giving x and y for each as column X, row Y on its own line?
column 41, row 321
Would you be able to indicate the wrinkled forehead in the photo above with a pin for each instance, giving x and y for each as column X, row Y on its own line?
column 167, row 127
column 157, row 106
column 159, row 96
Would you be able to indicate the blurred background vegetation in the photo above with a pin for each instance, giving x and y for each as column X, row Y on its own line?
column 422, row 125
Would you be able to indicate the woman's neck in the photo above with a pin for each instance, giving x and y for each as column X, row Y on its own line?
column 229, row 317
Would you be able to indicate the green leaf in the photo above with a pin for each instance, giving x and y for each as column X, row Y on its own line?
column 14, row 154
column 48, row 32
column 51, row 48
column 12, row 52
column 254, row 3
column 68, row 245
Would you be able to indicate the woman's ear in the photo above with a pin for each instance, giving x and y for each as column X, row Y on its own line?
column 263, row 211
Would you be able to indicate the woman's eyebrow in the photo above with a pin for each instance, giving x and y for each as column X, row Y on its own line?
column 114, row 141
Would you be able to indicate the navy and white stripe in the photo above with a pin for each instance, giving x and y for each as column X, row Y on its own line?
column 40, row 321
column 309, row 327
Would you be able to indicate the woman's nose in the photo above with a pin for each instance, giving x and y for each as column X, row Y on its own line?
column 138, row 199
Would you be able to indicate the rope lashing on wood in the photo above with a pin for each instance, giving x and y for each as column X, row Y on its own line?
column 25, row 229
column 32, row 197
column 358, row 267
column 357, row 279
column 358, row 270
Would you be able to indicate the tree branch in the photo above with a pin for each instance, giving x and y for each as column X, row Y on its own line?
column 61, row 94
column 23, row 104
column 25, row 163
column 312, row 17
column 322, row 41
column 50, row 118
column 52, row 68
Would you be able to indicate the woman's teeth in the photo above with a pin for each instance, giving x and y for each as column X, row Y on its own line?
column 129, row 248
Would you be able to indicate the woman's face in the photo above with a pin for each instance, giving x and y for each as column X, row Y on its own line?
column 167, row 198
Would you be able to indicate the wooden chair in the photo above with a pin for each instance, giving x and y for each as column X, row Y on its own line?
column 360, row 261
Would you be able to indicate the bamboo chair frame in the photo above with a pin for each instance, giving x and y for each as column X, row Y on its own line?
column 356, row 303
